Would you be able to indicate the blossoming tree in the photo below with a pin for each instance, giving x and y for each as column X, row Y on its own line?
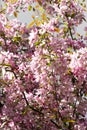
column 43, row 66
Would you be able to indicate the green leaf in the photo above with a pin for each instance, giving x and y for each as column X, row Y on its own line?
column 16, row 38
column 29, row 7
column 3, row 64
column 37, row 43
column 72, row 121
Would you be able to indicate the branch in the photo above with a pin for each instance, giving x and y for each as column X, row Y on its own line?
column 36, row 110
column 31, row 107
column 55, row 124
column 71, row 33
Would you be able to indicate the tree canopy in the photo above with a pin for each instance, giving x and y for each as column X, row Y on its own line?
column 43, row 66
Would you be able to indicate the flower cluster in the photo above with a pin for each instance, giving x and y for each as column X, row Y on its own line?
column 43, row 69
